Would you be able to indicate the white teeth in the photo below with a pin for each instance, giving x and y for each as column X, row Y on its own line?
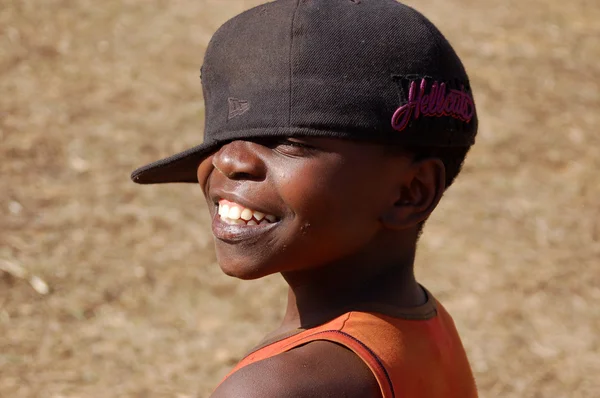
column 246, row 214
column 224, row 210
column 234, row 213
column 228, row 221
column 258, row 215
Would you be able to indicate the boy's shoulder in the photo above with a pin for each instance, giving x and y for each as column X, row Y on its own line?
column 317, row 369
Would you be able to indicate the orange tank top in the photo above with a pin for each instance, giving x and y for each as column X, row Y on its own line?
column 413, row 352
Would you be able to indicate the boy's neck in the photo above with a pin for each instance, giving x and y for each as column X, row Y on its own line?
column 319, row 295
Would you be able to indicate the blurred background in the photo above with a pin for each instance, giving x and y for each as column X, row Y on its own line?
column 108, row 289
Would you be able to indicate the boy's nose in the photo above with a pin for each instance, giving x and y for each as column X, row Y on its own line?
column 238, row 160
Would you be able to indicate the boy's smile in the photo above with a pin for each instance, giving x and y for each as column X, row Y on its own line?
column 290, row 204
column 236, row 214
column 236, row 222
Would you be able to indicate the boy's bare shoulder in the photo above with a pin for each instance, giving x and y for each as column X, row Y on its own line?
column 317, row 369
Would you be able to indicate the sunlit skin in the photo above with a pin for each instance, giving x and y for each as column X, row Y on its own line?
column 347, row 214
column 347, row 223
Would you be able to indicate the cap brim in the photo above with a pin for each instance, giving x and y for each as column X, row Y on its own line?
column 181, row 167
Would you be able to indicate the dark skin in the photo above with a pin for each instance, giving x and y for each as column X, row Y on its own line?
column 347, row 217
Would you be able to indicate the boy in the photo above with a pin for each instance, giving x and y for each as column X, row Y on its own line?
column 333, row 127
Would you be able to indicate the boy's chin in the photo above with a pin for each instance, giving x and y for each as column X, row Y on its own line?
column 243, row 271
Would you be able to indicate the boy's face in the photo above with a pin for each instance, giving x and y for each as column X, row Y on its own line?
column 310, row 202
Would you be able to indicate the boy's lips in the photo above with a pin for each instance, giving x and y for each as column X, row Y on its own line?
column 232, row 233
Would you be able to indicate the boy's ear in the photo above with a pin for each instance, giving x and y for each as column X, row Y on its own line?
column 420, row 191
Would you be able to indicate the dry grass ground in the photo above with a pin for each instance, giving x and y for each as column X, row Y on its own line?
column 138, row 308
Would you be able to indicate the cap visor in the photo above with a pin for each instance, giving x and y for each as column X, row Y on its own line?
column 181, row 167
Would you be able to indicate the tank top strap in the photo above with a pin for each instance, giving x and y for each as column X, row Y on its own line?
column 359, row 348
column 282, row 343
column 333, row 331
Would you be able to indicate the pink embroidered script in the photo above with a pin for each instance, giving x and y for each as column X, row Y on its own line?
column 455, row 103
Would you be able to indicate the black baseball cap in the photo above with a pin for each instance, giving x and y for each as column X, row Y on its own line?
column 371, row 70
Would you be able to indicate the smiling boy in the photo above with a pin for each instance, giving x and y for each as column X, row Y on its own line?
column 333, row 128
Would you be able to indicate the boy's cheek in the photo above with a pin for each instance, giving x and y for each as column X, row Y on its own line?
column 203, row 172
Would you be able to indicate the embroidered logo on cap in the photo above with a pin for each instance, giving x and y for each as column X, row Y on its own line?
column 237, row 107
column 438, row 101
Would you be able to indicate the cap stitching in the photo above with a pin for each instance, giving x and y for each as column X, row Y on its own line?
column 291, row 63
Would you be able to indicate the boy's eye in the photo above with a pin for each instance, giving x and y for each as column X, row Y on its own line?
column 294, row 143
column 292, row 146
